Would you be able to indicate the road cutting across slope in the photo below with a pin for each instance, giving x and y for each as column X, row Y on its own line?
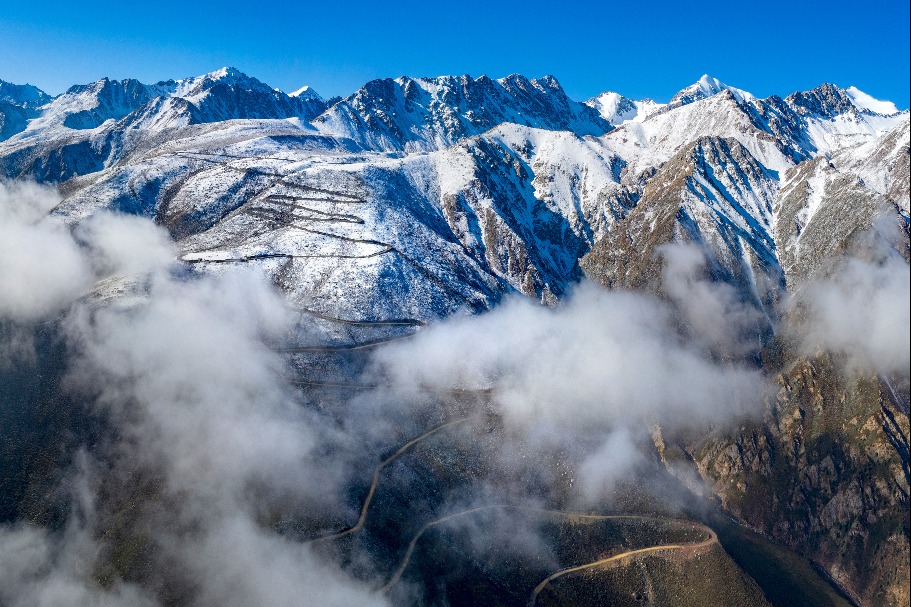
column 711, row 539
column 376, row 479
column 710, row 536
column 256, row 207
column 406, row 322
column 345, row 348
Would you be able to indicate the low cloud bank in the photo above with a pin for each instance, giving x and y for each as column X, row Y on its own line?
column 600, row 358
column 203, row 440
column 41, row 266
column 863, row 309
column 206, row 448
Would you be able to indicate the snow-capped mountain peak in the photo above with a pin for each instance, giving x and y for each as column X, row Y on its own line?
column 431, row 113
column 227, row 72
column 24, row 95
column 710, row 85
column 87, row 106
column 196, row 87
column 305, row 92
column 826, row 100
column 864, row 101
column 19, row 103
column 705, row 87
column 617, row 109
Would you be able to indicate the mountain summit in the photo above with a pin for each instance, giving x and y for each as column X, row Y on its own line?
column 705, row 87
column 432, row 113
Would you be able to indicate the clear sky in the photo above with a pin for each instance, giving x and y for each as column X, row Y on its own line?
column 638, row 48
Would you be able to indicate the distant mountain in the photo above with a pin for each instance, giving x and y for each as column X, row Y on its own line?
column 617, row 109
column 433, row 113
column 18, row 105
column 24, row 95
column 91, row 126
column 225, row 94
column 705, row 87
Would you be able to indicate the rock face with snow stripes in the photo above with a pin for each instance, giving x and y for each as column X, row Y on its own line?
column 516, row 185
column 19, row 103
column 713, row 193
column 433, row 113
column 93, row 126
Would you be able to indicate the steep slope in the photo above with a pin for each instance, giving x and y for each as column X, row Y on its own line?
column 819, row 210
column 526, row 202
column 882, row 163
column 831, row 121
column 92, row 126
column 714, row 194
column 826, row 473
column 18, row 105
column 779, row 132
column 617, row 109
column 656, row 139
column 91, row 105
column 432, row 113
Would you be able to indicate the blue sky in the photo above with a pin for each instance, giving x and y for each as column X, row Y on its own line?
column 640, row 49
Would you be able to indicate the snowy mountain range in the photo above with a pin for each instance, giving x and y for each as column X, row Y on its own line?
column 416, row 199
column 454, row 191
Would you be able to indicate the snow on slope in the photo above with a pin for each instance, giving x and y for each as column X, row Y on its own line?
column 24, row 95
column 704, row 88
column 866, row 102
column 92, row 126
column 414, row 198
column 657, row 138
column 424, row 114
column 617, row 109
column 224, row 94
column 18, row 105
column 882, row 163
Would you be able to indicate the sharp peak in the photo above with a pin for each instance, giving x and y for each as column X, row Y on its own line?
column 708, row 84
column 226, row 71
column 606, row 93
column 17, row 85
column 305, row 92
column 547, row 79
column 99, row 84
column 825, row 86
column 705, row 78
column 521, row 77
column 824, row 89
column 512, row 76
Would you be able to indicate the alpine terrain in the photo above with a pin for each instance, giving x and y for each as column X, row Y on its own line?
column 452, row 341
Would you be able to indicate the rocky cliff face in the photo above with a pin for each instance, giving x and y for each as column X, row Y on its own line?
column 826, row 473
column 433, row 113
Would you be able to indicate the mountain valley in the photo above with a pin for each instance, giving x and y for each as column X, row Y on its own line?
column 453, row 341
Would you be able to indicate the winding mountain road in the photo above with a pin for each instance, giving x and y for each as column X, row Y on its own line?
column 709, row 536
column 376, row 479
column 710, row 539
